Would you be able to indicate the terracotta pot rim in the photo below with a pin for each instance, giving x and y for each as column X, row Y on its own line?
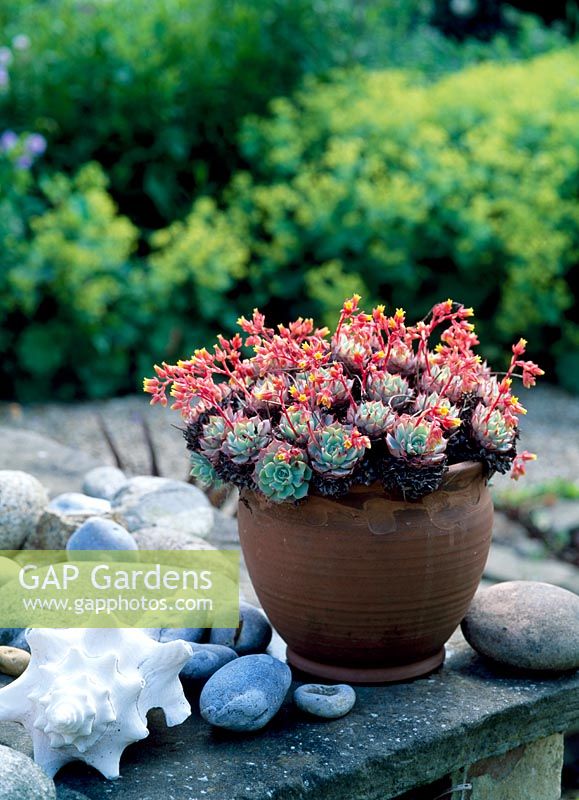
column 463, row 469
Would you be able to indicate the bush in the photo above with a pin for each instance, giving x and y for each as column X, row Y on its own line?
column 65, row 279
column 402, row 190
column 155, row 90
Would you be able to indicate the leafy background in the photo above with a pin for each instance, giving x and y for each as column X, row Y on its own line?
column 206, row 157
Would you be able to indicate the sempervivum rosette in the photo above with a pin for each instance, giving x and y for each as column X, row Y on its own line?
column 240, row 449
column 203, row 471
column 418, row 462
column 372, row 417
column 494, row 437
column 282, row 473
column 391, row 389
column 335, row 450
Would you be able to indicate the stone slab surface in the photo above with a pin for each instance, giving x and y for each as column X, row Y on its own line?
column 58, row 467
column 504, row 564
column 395, row 738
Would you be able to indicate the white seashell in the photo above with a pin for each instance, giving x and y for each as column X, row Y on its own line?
column 86, row 693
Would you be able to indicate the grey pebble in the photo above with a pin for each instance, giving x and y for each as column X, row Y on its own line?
column 246, row 693
column 22, row 501
column 145, row 502
column 78, row 503
column 188, row 634
column 101, row 534
column 22, row 779
column 206, row 660
column 329, row 702
column 103, row 482
column 252, row 636
column 525, row 624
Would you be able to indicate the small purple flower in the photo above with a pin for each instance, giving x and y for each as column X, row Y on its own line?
column 23, row 162
column 4, row 78
column 8, row 141
column 35, row 144
column 21, row 42
column 5, row 56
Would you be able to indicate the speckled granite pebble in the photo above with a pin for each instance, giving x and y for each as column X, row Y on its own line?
column 525, row 624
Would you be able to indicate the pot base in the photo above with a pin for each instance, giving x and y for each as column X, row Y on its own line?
column 365, row 674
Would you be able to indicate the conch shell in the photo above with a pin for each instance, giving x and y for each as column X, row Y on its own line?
column 86, row 693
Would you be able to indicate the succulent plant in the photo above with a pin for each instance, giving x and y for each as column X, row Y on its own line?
column 353, row 351
column 417, row 439
column 335, row 450
column 282, row 473
column 394, row 390
column 372, row 417
column 401, row 358
column 212, row 437
column 376, row 380
column 295, row 424
column 246, row 439
column 203, row 471
column 265, row 393
column 492, row 430
column 424, row 401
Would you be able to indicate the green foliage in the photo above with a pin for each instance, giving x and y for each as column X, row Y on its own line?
column 66, row 272
column 464, row 187
column 155, row 90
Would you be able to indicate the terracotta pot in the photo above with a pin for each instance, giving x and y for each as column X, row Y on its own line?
column 368, row 588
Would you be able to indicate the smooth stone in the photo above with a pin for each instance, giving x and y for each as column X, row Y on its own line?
column 206, row 660
column 246, row 693
column 22, row 501
column 525, row 624
column 78, row 503
column 22, row 779
column 146, row 502
column 54, row 530
column 188, row 634
column 163, row 538
column 329, row 702
column 252, row 636
column 103, row 482
column 101, row 534
column 13, row 661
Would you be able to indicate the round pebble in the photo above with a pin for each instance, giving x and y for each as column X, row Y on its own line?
column 22, row 501
column 252, row 636
column 160, row 537
column 13, row 661
column 104, row 482
column 329, row 702
column 188, row 634
column 525, row 624
column 246, row 693
column 206, row 660
column 22, row 779
column 145, row 502
column 101, row 534
column 77, row 503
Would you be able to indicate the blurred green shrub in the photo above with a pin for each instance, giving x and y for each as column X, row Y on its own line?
column 66, row 285
column 155, row 91
column 407, row 192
